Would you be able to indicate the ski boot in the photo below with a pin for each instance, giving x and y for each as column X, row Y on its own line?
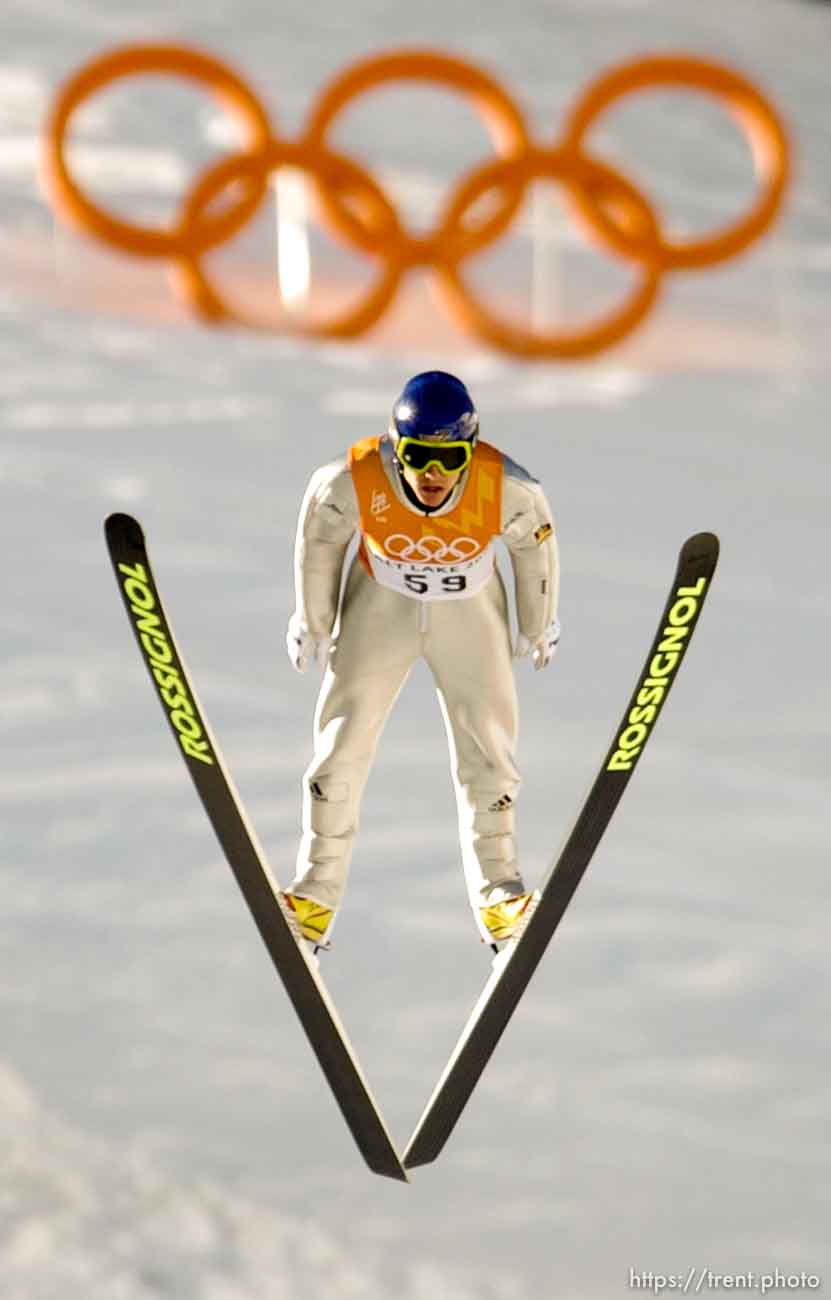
column 308, row 920
column 505, row 918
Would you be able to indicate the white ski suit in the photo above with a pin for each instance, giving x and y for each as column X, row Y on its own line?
column 465, row 639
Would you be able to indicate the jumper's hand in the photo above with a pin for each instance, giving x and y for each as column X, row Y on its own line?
column 542, row 649
column 302, row 647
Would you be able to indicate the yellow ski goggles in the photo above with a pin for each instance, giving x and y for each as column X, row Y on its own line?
column 419, row 454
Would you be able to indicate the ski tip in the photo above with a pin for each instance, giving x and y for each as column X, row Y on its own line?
column 123, row 528
column 701, row 545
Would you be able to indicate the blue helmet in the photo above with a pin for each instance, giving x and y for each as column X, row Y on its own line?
column 435, row 405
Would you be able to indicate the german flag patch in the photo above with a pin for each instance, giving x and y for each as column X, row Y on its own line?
column 544, row 530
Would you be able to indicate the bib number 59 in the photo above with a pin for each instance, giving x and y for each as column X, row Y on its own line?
column 419, row 583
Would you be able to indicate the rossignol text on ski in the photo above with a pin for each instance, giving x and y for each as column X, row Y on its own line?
column 292, row 957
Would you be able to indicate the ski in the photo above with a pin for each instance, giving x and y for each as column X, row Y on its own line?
column 296, row 969
column 516, row 964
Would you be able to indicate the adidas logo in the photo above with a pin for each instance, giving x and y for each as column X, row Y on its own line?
column 501, row 804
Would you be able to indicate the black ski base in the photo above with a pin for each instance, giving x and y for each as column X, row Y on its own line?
column 204, row 762
column 490, row 1016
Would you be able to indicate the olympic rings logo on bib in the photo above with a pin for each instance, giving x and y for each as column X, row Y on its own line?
column 431, row 569
column 430, row 550
column 354, row 207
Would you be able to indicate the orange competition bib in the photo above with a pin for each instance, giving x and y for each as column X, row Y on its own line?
column 446, row 557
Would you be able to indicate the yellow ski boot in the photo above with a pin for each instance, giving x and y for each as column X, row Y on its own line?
column 505, row 919
column 312, row 919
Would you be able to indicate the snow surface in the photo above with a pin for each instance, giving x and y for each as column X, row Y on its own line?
column 661, row 1099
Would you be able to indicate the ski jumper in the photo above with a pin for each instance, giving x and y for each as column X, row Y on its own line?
column 423, row 584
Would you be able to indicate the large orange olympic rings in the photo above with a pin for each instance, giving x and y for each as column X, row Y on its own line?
column 334, row 171
column 753, row 113
column 355, row 209
column 581, row 174
column 501, row 115
column 135, row 60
